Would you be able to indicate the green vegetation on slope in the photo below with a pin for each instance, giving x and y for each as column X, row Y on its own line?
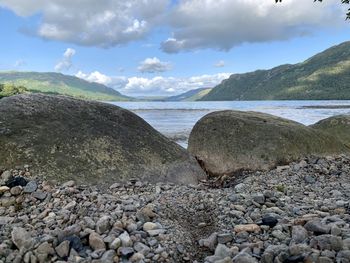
column 192, row 95
column 322, row 77
column 56, row 83
column 7, row 90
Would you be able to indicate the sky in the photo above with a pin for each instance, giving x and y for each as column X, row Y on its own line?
column 164, row 47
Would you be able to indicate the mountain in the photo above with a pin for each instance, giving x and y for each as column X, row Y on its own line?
column 57, row 83
column 191, row 95
column 323, row 76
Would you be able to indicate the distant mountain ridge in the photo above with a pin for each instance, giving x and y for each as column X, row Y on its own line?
column 324, row 76
column 57, row 83
column 192, row 95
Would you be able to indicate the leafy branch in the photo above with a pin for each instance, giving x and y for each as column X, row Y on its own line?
column 342, row 1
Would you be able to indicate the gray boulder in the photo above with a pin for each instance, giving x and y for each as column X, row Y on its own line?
column 226, row 142
column 62, row 138
column 337, row 126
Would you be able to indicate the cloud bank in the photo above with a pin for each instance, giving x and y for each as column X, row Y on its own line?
column 138, row 86
column 192, row 24
column 102, row 23
column 223, row 24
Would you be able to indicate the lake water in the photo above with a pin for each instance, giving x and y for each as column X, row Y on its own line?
column 176, row 119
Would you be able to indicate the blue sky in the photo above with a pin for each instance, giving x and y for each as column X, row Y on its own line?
column 163, row 47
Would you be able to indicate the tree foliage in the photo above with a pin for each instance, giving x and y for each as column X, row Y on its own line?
column 342, row 1
column 7, row 90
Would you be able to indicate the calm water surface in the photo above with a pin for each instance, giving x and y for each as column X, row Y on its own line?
column 176, row 119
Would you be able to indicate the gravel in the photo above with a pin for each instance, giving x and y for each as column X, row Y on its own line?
column 295, row 213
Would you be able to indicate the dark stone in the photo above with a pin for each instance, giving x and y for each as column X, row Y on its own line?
column 16, row 181
column 295, row 259
column 269, row 221
column 74, row 242
column 126, row 252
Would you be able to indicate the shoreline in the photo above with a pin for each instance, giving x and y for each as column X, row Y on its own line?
column 139, row 222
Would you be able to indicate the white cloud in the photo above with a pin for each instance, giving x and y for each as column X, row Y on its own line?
column 219, row 64
column 102, row 23
column 19, row 63
column 223, row 24
column 138, row 86
column 154, row 65
column 66, row 62
column 113, row 82
column 194, row 24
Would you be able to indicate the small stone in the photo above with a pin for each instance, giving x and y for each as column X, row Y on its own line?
column 310, row 179
column 279, row 235
column 327, row 242
column 317, row 227
column 45, row 249
column 40, row 195
column 30, row 187
column 96, row 242
column 4, row 189
column 149, row 226
column 16, row 181
column 116, row 243
column 125, row 239
column 7, row 201
column 299, row 234
column 21, row 238
column 126, row 251
column 62, row 249
column 335, row 230
column 324, row 260
column 209, row 242
column 247, row 228
column 103, row 224
column 137, row 258
column 259, row 198
column 222, row 251
column 70, row 205
column 202, row 224
column 233, row 198
column 16, row 190
column 156, row 232
column 141, row 248
column 74, row 242
column 225, row 238
column 131, row 227
column 6, row 176
column 88, row 221
column 244, row 258
column 4, row 220
column 69, row 184
column 107, row 257
column 114, row 186
column 270, row 221
column 129, row 208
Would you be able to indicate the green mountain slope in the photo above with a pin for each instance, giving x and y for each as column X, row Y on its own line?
column 57, row 83
column 191, row 95
column 323, row 76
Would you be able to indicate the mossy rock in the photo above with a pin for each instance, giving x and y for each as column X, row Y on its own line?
column 227, row 142
column 93, row 143
column 338, row 126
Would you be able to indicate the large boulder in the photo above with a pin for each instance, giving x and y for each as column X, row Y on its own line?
column 338, row 126
column 227, row 142
column 62, row 138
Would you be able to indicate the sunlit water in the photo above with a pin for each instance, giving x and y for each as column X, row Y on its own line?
column 176, row 119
